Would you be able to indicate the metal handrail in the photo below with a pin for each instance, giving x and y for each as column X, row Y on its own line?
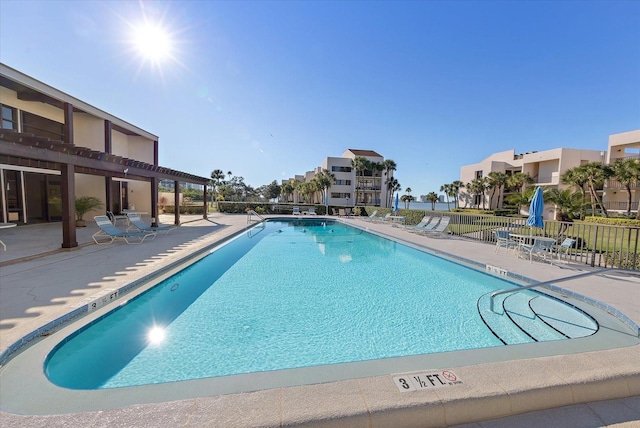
column 566, row 278
column 252, row 212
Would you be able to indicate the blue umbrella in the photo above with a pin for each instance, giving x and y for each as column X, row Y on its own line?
column 535, row 210
column 396, row 204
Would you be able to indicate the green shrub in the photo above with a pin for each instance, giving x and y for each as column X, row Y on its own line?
column 613, row 221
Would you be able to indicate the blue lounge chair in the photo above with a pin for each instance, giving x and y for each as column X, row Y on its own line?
column 110, row 231
column 296, row 211
column 135, row 222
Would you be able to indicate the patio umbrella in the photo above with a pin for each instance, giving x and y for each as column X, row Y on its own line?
column 535, row 210
column 396, row 204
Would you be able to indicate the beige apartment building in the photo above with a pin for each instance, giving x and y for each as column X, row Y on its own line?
column 621, row 146
column 547, row 167
column 349, row 189
column 54, row 148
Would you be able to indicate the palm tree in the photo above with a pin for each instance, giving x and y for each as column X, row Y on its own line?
column 627, row 172
column 521, row 199
column 377, row 168
column 567, row 203
column 392, row 186
column 217, row 178
column 576, row 177
column 324, row 181
column 360, row 165
column 476, row 188
column 407, row 199
column 496, row 180
column 433, row 198
column 448, row 190
column 455, row 190
column 287, row 190
column 519, row 181
column 596, row 173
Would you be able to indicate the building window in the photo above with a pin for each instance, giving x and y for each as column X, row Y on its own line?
column 340, row 169
column 343, row 182
column 9, row 117
column 478, row 174
column 335, row 195
column 42, row 127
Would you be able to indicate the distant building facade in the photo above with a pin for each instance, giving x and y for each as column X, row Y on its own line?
column 547, row 167
column 351, row 187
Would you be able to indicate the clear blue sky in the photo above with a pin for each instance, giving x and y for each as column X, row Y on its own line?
column 268, row 89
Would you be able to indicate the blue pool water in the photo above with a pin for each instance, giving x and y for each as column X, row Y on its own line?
column 282, row 295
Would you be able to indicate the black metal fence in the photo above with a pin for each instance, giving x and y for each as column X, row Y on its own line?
column 596, row 245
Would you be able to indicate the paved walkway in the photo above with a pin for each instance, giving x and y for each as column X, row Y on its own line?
column 40, row 282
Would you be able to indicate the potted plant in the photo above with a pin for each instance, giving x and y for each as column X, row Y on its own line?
column 163, row 202
column 83, row 205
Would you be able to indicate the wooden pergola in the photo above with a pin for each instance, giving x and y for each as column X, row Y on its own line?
column 28, row 150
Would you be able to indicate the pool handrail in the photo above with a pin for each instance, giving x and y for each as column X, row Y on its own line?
column 251, row 213
column 565, row 278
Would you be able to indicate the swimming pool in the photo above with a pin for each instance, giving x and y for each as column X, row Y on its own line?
column 303, row 293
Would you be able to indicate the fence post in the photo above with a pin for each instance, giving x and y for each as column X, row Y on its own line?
column 593, row 251
column 635, row 251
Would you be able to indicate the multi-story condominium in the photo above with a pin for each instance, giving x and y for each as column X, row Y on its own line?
column 351, row 187
column 545, row 167
column 625, row 145
column 54, row 148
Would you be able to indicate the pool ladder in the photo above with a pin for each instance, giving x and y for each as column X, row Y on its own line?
column 252, row 213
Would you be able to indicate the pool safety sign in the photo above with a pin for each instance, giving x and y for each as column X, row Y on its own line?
column 420, row 381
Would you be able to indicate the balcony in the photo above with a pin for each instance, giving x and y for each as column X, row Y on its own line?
column 620, row 206
column 615, row 185
column 546, row 180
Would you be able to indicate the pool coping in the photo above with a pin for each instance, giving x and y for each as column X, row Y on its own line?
column 440, row 406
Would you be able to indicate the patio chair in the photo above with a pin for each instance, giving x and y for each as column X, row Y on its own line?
column 135, row 222
column 312, row 211
column 566, row 245
column 334, row 211
column 420, row 226
column 110, row 231
column 504, row 240
column 296, row 211
column 438, row 230
column 540, row 247
column 115, row 217
column 342, row 212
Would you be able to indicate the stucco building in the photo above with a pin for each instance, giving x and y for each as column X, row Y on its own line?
column 54, row 148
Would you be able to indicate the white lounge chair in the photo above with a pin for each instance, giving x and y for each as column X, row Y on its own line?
column 110, row 231
column 312, row 211
column 420, row 226
column 372, row 216
column 296, row 211
column 439, row 229
column 135, row 222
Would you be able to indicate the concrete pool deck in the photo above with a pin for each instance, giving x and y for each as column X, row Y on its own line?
column 36, row 289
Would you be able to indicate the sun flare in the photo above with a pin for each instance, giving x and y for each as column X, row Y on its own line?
column 152, row 42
